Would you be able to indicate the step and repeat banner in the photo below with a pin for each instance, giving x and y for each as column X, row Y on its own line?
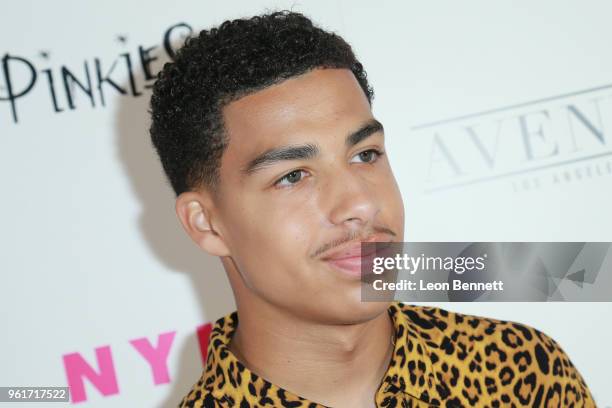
column 498, row 119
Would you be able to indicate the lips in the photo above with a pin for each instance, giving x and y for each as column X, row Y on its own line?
column 348, row 258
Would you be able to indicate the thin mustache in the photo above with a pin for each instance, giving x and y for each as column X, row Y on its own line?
column 351, row 237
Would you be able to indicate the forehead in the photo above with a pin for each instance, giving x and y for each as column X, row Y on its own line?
column 320, row 103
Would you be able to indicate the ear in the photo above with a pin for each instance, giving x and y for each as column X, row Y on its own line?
column 194, row 211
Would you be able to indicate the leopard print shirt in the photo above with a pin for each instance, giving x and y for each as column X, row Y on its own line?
column 440, row 359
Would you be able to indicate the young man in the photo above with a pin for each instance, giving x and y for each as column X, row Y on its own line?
column 265, row 130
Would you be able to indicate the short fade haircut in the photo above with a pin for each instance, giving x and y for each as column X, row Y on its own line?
column 221, row 65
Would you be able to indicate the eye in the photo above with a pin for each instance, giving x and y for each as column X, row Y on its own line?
column 368, row 156
column 290, row 178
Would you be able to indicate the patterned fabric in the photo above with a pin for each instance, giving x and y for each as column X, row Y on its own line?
column 440, row 358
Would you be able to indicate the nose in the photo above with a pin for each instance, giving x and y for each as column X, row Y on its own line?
column 351, row 200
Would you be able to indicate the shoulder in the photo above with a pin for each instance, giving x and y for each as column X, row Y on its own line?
column 511, row 360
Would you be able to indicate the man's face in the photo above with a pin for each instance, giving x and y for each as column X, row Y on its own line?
column 301, row 184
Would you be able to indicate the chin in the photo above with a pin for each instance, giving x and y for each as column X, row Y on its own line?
column 355, row 312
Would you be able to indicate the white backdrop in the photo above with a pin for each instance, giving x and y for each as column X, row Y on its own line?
column 99, row 282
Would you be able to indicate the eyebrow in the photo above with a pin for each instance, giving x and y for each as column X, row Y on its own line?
column 308, row 150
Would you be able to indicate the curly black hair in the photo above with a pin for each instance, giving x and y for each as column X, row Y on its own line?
column 221, row 65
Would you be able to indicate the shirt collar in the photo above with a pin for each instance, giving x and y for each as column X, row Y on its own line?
column 409, row 373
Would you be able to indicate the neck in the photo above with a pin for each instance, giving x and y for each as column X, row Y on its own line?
column 320, row 362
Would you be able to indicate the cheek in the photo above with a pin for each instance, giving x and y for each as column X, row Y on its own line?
column 296, row 219
column 270, row 244
column 279, row 227
column 394, row 205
